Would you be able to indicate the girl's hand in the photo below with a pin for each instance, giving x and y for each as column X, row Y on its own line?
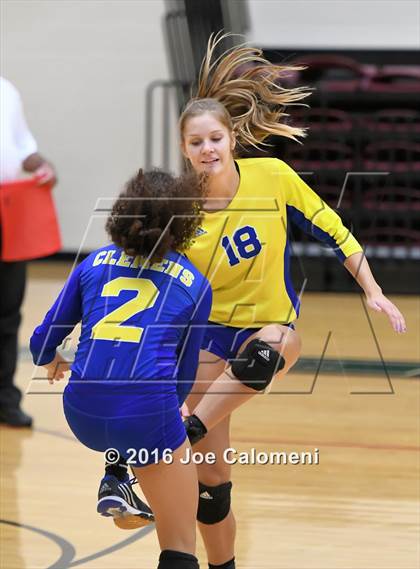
column 185, row 412
column 57, row 368
column 380, row 303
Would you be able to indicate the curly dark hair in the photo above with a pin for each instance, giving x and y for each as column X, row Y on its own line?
column 157, row 212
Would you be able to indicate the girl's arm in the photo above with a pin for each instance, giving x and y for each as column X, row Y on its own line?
column 358, row 267
column 188, row 361
column 306, row 209
column 58, row 323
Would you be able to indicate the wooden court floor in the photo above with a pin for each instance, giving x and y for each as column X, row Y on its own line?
column 357, row 509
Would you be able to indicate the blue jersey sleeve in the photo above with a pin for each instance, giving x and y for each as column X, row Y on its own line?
column 59, row 321
column 189, row 356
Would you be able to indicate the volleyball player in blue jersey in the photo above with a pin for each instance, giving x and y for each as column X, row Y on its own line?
column 143, row 307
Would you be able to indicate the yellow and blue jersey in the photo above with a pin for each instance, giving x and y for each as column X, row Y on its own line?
column 139, row 320
column 244, row 250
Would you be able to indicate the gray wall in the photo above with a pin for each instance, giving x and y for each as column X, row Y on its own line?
column 336, row 23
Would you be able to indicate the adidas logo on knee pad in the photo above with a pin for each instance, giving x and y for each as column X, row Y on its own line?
column 265, row 354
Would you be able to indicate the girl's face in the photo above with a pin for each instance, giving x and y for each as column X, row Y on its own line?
column 208, row 144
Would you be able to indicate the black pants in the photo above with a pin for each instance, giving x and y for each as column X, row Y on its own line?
column 12, row 289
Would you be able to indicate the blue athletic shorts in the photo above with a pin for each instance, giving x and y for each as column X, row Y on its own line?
column 225, row 341
column 140, row 426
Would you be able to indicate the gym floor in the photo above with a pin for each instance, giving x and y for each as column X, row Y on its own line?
column 356, row 409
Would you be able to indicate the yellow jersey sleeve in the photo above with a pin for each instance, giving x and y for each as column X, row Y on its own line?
column 307, row 210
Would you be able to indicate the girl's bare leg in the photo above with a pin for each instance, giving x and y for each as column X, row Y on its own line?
column 223, row 394
column 219, row 539
column 227, row 393
column 172, row 492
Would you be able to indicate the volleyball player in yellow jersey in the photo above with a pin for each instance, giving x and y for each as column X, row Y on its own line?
column 242, row 247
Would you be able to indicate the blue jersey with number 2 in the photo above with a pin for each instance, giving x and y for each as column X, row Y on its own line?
column 139, row 321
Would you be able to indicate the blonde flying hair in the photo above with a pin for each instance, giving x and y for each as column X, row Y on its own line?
column 240, row 87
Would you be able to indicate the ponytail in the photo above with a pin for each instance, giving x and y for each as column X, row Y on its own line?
column 242, row 88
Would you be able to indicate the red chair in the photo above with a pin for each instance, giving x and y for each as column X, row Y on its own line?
column 402, row 121
column 323, row 120
column 395, row 79
column 396, row 156
column 401, row 70
column 321, row 155
column 328, row 66
column 391, row 236
column 392, row 199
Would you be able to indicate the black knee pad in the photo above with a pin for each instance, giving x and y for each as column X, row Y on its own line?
column 228, row 565
column 177, row 560
column 213, row 503
column 257, row 364
column 196, row 430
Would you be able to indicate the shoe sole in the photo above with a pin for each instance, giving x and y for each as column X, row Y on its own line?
column 125, row 516
column 132, row 522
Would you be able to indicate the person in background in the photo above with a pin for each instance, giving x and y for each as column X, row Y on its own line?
column 18, row 152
